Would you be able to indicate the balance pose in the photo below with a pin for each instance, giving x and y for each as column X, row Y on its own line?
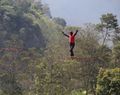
column 71, row 37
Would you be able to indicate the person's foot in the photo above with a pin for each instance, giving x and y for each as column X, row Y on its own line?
column 72, row 55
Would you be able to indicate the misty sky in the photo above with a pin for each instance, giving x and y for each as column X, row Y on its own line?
column 77, row 12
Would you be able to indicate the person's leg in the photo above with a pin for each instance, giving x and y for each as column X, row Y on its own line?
column 72, row 54
column 73, row 45
column 71, row 49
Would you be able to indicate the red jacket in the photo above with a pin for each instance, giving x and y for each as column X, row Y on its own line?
column 72, row 38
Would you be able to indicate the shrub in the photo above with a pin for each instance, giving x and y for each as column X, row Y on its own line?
column 108, row 82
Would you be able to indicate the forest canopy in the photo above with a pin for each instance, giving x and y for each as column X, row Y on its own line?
column 34, row 54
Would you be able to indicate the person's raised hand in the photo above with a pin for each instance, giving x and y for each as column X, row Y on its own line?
column 76, row 30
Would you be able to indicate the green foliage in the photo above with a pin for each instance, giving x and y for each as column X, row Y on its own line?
column 25, row 28
column 108, row 27
column 109, row 21
column 116, row 55
column 60, row 21
column 15, row 20
column 104, row 54
column 53, row 79
column 78, row 92
column 72, row 28
column 39, row 64
column 108, row 82
column 9, row 85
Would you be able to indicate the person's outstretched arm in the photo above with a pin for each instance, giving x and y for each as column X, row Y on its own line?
column 65, row 34
column 76, row 33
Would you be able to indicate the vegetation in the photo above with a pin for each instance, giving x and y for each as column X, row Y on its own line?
column 108, row 82
column 34, row 54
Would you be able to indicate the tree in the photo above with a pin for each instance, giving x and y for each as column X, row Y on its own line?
column 108, row 82
column 28, row 33
column 53, row 79
column 46, row 11
column 9, row 85
column 60, row 21
column 38, row 4
column 22, row 6
column 72, row 28
column 108, row 27
column 116, row 55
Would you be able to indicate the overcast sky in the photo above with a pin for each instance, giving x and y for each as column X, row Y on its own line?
column 78, row 12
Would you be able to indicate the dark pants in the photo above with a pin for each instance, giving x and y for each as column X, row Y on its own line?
column 72, row 45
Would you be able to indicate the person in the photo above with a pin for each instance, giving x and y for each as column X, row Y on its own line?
column 71, row 37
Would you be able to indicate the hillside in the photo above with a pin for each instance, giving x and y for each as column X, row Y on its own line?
column 35, row 52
